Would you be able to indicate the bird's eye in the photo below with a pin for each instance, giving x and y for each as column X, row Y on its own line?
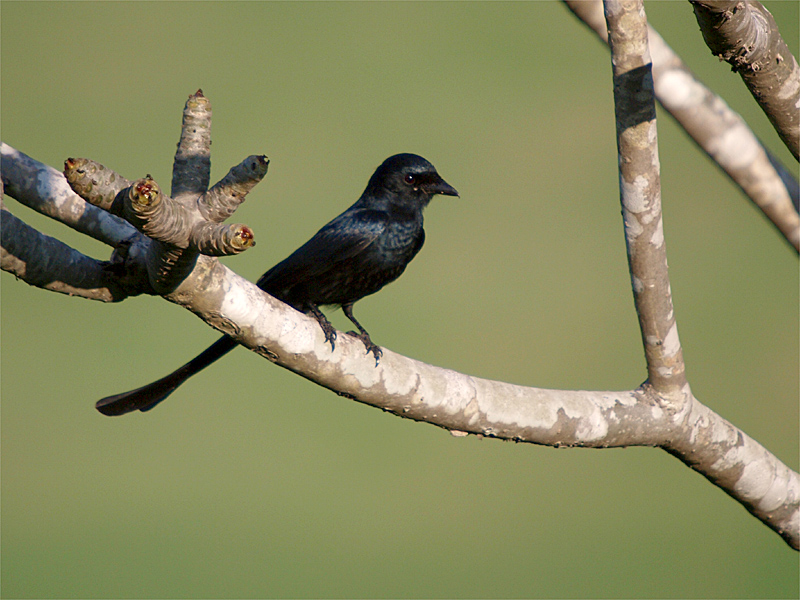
column 410, row 178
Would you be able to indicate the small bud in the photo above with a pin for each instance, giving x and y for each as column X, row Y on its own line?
column 244, row 238
column 144, row 192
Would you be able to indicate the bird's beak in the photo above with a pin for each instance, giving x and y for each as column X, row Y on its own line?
column 441, row 187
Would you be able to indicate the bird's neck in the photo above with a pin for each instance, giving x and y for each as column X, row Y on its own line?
column 394, row 204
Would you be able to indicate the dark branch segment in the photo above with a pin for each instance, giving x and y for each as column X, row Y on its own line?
column 45, row 262
column 220, row 202
column 191, row 171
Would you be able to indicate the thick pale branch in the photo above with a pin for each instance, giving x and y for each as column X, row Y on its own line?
column 46, row 191
column 413, row 389
column 715, row 128
column 744, row 34
column 465, row 404
column 742, row 467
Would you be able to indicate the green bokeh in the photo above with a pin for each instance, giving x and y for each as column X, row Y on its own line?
column 252, row 482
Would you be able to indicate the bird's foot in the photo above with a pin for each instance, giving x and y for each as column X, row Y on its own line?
column 371, row 347
column 330, row 334
column 327, row 329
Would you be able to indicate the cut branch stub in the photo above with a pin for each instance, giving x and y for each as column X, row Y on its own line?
column 145, row 196
column 183, row 228
column 222, row 240
column 156, row 215
column 191, row 171
column 220, row 202
column 96, row 184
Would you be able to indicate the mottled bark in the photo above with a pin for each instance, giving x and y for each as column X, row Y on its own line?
column 744, row 34
column 719, row 131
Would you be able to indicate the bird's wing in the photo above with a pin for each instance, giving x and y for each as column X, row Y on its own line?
column 341, row 239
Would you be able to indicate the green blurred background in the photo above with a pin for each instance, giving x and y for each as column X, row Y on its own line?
column 253, row 482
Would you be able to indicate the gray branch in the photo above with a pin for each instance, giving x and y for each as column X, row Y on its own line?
column 640, row 195
column 45, row 262
column 46, row 191
column 715, row 128
column 744, row 34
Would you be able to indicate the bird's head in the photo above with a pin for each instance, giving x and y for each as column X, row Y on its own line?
column 409, row 178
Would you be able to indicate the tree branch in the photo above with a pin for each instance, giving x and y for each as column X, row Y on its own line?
column 187, row 226
column 640, row 195
column 46, row 191
column 719, row 131
column 744, row 34
column 50, row 264
column 660, row 413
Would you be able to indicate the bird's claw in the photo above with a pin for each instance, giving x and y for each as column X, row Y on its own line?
column 330, row 334
column 370, row 346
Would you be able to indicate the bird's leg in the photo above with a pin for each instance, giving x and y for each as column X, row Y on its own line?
column 328, row 329
column 364, row 336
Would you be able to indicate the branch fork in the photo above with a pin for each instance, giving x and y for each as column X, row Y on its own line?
column 184, row 227
column 187, row 235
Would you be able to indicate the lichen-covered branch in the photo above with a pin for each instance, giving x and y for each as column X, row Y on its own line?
column 715, row 128
column 744, row 34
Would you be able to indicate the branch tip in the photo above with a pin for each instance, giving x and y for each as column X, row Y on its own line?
column 144, row 193
column 244, row 238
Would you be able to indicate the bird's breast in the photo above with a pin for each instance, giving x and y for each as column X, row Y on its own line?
column 400, row 239
column 380, row 263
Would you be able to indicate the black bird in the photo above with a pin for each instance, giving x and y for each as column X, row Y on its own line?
column 355, row 255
